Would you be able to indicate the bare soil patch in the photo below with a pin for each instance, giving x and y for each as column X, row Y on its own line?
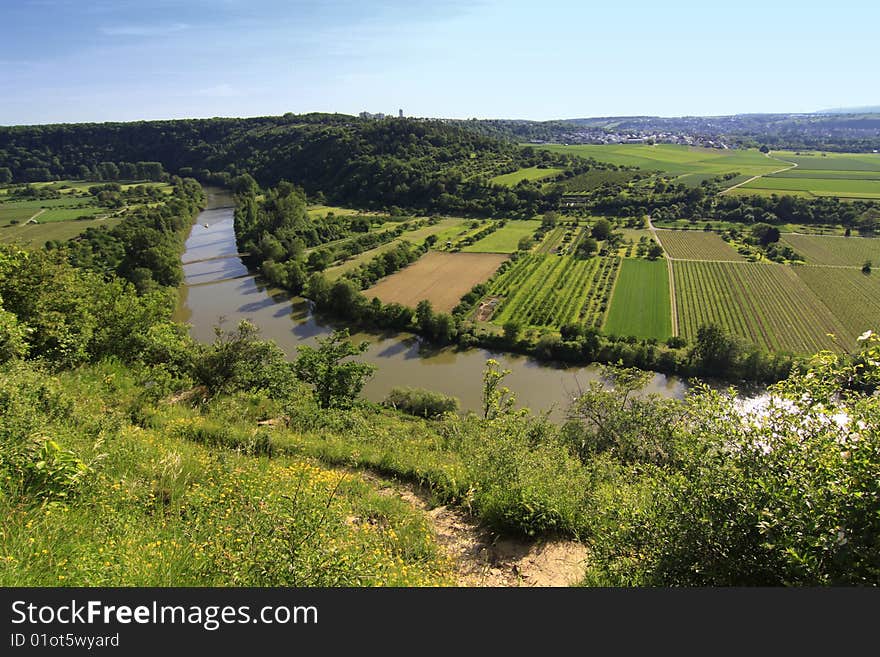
column 441, row 278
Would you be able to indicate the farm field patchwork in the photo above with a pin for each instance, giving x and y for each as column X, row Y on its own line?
column 844, row 175
column 546, row 290
column 768, row 305
column 415, row 236
column 505, row 239
column 441, row 278
column 804, row 183
column 529, row 173
column 696, row 245
column 640, row 304
column 834, row 250
column 852, row 296
column 674, row 159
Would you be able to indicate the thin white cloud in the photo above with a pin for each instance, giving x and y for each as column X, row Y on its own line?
column 144, row 30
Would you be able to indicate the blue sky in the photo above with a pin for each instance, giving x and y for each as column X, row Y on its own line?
column 73, row 60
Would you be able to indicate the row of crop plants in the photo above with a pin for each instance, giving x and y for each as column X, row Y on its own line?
column 766, row 304
column 542, row 290
column 852, row 296
column 598, row 297
column 552, row 240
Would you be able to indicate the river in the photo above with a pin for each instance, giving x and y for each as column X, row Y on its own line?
column 219, row 289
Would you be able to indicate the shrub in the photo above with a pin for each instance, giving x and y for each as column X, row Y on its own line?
column 420, row 402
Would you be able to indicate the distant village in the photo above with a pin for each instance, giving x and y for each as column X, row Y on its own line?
column 603, row 137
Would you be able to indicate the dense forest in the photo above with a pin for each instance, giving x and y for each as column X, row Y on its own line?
column 424, row 165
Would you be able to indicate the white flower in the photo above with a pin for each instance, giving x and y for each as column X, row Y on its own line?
column 866, row 335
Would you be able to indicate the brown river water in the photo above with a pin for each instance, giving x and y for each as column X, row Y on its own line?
column 219, row 289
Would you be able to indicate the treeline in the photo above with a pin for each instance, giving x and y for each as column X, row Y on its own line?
column 144, row 248
column 428, row 166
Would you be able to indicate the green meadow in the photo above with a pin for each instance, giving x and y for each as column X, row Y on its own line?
column 640, row 304
column 505, row 239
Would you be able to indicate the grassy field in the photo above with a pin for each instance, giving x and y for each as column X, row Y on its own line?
column 674, row 159
column 768, row 305
column 54, row 209
column 530, row 173
column 322, row 211
column 505, row 239
column 640, row 304
column 441, row 278
column 546, row 290
column 804, row 183
column 39, row 234
column 696, row 245
column 834, row 250
column 58, row 218
column 831, row 161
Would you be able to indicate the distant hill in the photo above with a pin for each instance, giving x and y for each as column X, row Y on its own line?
column 869, row 109
column 833, row 130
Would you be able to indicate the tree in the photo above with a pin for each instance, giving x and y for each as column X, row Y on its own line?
column 765, row 233
column 5, row 175
column 866, row 267
column 336, row 384
column 319, row 259
column 587, row 247
column 715, row 350
column 245, row 185
column 764, row 148
column 654, row 251
column 424, row 315
column 511, row 331
column 525, row 243
column 601, row 229
column 497, row 399
column 237, row 360
column 549, row 220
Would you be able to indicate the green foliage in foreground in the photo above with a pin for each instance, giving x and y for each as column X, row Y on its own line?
column 116, row 470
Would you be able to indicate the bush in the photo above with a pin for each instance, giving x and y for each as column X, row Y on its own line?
column 33, row 462
column 420, row 402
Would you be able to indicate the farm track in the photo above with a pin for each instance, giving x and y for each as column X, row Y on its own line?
column 39, row 212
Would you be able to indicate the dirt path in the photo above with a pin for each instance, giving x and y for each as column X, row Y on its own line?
column 34, row 217
column 481, row 557
column 671, row 277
